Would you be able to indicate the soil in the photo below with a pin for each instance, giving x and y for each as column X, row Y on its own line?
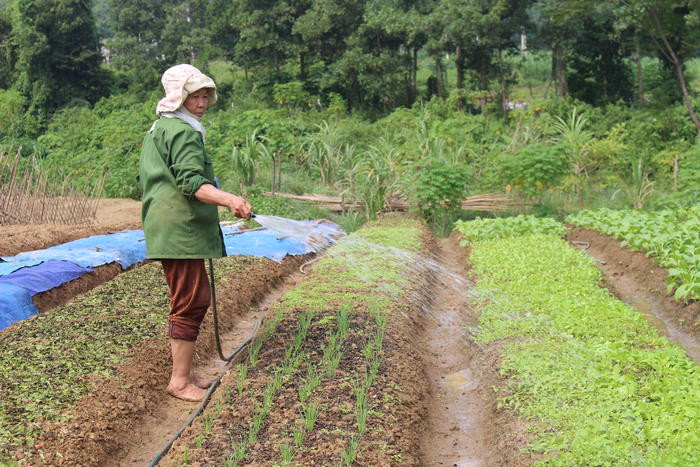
column 396, row 398
column 639, row 281
column 113, row 215
column 155, row 430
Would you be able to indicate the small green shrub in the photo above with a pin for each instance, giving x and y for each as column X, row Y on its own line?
column 438, row 189
column 536, row 168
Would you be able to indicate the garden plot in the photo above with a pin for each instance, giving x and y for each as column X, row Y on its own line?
column 671, row 237
column 76, row 381
column 594, row 380
column 336, row 375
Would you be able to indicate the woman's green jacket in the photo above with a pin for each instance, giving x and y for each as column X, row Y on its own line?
column 173, row 166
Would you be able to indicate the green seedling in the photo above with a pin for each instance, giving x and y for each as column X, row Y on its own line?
column 310, row 415
column 344, row 320
column 207, row 424
column 368, row 351
column 361, row 419
column 237, row 455
column 349, row 454
column 287, row 452
column 254, row 351
column 359, row 388
column 298, row 435
column 242, row 370
column 254, row 429
column 332, row 363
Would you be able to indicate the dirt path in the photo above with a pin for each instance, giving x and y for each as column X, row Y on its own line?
column 459, row 426
column 157, row 429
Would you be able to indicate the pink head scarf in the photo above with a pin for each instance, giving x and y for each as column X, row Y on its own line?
column 179, row 82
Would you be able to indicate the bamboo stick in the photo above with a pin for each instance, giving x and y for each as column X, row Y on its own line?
column 484, row 202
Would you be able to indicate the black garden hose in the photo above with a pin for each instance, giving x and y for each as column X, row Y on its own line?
column 213, row 307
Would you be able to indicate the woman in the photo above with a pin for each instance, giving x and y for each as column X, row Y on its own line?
column 180, row 215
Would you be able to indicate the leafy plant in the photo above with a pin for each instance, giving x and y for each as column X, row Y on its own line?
column 246, row 157
column 292, row 95
column 598, row 382
column 535, row 168
column 438, row 189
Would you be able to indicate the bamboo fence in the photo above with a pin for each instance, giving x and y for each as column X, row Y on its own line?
column 27, row 196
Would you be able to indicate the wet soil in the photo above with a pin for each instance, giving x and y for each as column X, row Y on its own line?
column 460, row 423
column 639, row 281
column 396, row 398
column 111, row 421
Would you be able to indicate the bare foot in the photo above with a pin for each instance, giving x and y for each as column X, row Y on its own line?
column 201, row 383
column 189, row 392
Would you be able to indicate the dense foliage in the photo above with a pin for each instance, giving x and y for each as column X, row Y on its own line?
column 508, row 227
column 603, row 115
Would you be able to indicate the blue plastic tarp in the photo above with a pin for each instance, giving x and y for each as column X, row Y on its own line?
column 31, row 272
column 126, row 248
column 7, row 268
column 45, row 276
column 263, row 243
column 15, row 304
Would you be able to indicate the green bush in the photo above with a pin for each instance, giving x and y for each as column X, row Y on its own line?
column 535, row 168
column 438, row 189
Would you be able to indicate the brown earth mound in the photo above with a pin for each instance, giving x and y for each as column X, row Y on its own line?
column 113, row 215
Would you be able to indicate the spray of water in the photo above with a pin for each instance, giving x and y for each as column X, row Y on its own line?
column 319, row 235
column 427, row 273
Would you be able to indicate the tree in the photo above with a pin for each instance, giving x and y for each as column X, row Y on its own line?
column 478, row 32
column 136, row 49
column 58, row 55
column 597, row 73
column 557, row 24
column 672, row 25
column 7, row 50
column 266, row 39
column 379, row 67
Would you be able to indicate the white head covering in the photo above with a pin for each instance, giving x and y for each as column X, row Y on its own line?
column 179, row 82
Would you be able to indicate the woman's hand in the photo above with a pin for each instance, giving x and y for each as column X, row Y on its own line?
column 209, row 194
column 239, row 207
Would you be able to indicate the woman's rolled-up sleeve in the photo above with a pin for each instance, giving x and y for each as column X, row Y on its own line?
column 188, row 160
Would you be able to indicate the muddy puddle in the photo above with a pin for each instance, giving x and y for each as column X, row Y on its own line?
column 652, row 311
